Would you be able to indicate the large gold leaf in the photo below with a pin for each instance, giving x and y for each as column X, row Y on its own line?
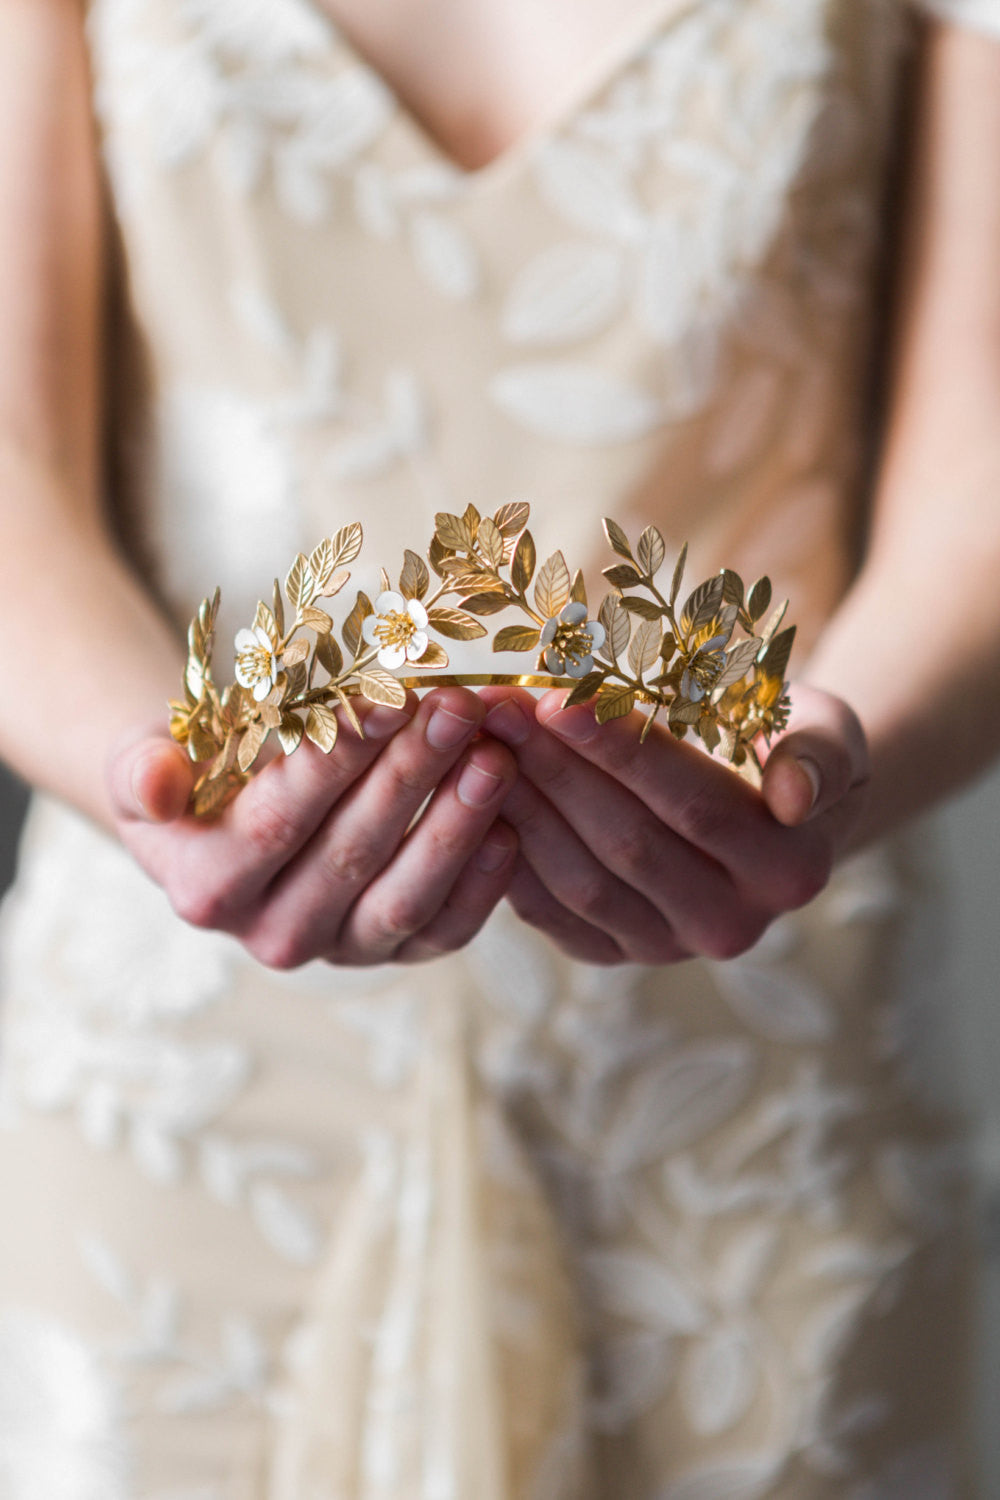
column 614, row 701
column 516, row 638
column 414, row 580
column 511, row 518
column 758, row 598
column 489, row 543
column 379, row 686
column 329, row 655
column 322, row 727
column 552, row 585
column 617, row 627
column 300, row 585
column 702, row 605
column 296, row 652
column 451, row 531
column 346, row 545
column 651, row 551
column 351, row 629
column 675, row 582
column 485, row 604
column 434, row 659
column 583, row 690
column 318, row 620
column 644, row 648
column 454, row 624
column 522, row 567
column 251, row 743
column 290, row 733
column 617, row 538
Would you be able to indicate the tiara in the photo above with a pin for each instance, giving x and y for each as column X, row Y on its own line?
column 293, row 672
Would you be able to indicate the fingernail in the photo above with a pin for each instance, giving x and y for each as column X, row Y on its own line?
column 476, row 787
column 577, row 724
column 813, row 773
column 506, row 722
column 446, row 730
column 381, row 721
column 492, row 854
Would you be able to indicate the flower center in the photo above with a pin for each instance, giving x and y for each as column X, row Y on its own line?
column 572, row 640
column 396, row 629
column 257, row 664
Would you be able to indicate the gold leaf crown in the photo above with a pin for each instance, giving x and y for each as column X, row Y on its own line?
column 640, row 649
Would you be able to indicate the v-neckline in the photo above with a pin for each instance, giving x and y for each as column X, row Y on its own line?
column 585, row 86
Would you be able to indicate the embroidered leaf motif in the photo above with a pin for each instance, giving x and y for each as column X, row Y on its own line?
column 589, row 189
column 674, row 1102
column 567, row 293
column 445, row 255
column 575, row 403
column 635, row 1285
column 717, row 1384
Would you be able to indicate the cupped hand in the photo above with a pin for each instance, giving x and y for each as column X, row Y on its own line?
column 656, row 853
column 316, row 857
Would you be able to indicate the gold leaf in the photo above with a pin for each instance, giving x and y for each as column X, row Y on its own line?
column 702, row 605
column 552, row 586
column 473, row 581
column 329, row 654
column 651, row 551
column 300, row 585
column 614, row 701
column 489, row 542
column 516, row 638
column 470, row 520
column 296, row 652
column 578, row 589
column 668, row 645
column 290, row 733
column 278, row 608
column 617, row 538
column 647, row 609
column 583, row 690
column 739, row 662
column 683, row 712
column 647, row 726
column 379, row 686
column 264, row 620
column 774, row 621
column 522, row 567
column 194, row 677
column 437, row 555
column 385, row 586
column 335, row 583
column 675, row 583
column 251, row 743
column 349, row 710
column 210, row 797
column 644, row 648
column 622, row 576
column 270, row 715
column 351, row 629
column 759, row 598
column 321, row 564
column 296, row 680
column 454, row 624
column 774, row 662
column 511, row 518
column 414, row 580
column 485, row 604
column 617, row 627
column 434, row 658
column 346, row 545
column 452, row 532
column 202, row 744
column 322, row 727
column 318, row 620
column 732, row 588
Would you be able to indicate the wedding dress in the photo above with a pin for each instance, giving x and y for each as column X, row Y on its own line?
column 503, row 1227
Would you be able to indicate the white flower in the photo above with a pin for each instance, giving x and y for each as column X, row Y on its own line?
column 569, row 640
column 399, row 629
column 704, row 669
column 257, row 661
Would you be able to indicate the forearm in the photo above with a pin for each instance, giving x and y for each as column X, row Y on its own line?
column 88, row 656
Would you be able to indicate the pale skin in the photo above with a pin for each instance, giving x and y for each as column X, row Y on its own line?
column 617, row 852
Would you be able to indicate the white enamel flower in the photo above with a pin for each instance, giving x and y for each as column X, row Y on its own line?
column 257, row 661
column 569, row 641
column 398, row 628
column 704, row 670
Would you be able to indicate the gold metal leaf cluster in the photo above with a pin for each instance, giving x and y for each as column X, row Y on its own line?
column 295, row 667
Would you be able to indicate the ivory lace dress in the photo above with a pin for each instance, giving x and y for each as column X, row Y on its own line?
column 504, row 1227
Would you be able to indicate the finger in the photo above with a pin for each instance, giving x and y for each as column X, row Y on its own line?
column 692, row 895
column 480, row 885
column 820, row 758
column 415, row 886
column 535, row 904
column 581, row 882
column 150, row 780
column 301, row 912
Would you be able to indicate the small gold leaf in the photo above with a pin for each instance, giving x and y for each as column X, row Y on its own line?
column 290, row 733
column 485, row 604
column 194, row 677
column 511, row 518
column 318, row 620
column 474, row 581
column 278, row 608
column 264, row 620
column 552, row 586
column 644, row 648
column 675, row 583
column 732, row 588
column 774, row 621
column 296, row 682
column 516, row 638
column 385, row 586
column 322, row 727
column 351, row 629
column 434, row 658
column 414, row 580
column 296, row 652
column 617, row 538
column 646, row 609
column 321, row 564
column 470, row 520
column 617, row 627
column 454, row 624
column 329, row 654
column 437, row 555
column 583, row 690
column 759, row 598
column 578, row 589
column 702, row 605
column 522, row 567
column 379, row 686
column 651, row 551
column 451, row 531
column 683, row 712
column 614, row 701
column 300, row 585
column 489, row 543
column 335, row 583
column 250, row 744
column 210, row 797
column 346, row 545
column 202, row 744
column 622, row 576
column 774, row 663
column 352, row 717
column 739, row 661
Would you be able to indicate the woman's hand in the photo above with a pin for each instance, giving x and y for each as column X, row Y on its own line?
column 655, row 853
column 316, row 857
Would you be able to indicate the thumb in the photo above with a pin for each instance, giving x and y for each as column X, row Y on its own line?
column 821, row 757
column 150, row 780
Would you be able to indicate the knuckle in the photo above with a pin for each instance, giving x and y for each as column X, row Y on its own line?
column 346, row 864
column 704, row 817
column 197, row 905
column 397, row 919
column 804, row 878
column 272, row 827
column 731, row 939
column 589, row 896
column 631, row 848
column 408, row 780
column 280, row 949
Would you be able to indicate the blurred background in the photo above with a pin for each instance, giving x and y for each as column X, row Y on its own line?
column 969, row 830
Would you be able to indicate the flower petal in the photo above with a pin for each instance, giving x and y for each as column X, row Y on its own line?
column 598, row 635
column 416, row 612
column 247, row 641
column 261, row 689
column 548, row 631
column 573, row 613
column 369, row 629
column 579, row 666
column 416, row 645
column 390, row 603
column 243, row 677
column 265, row 641
column 553, row 661
column 391, row 657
